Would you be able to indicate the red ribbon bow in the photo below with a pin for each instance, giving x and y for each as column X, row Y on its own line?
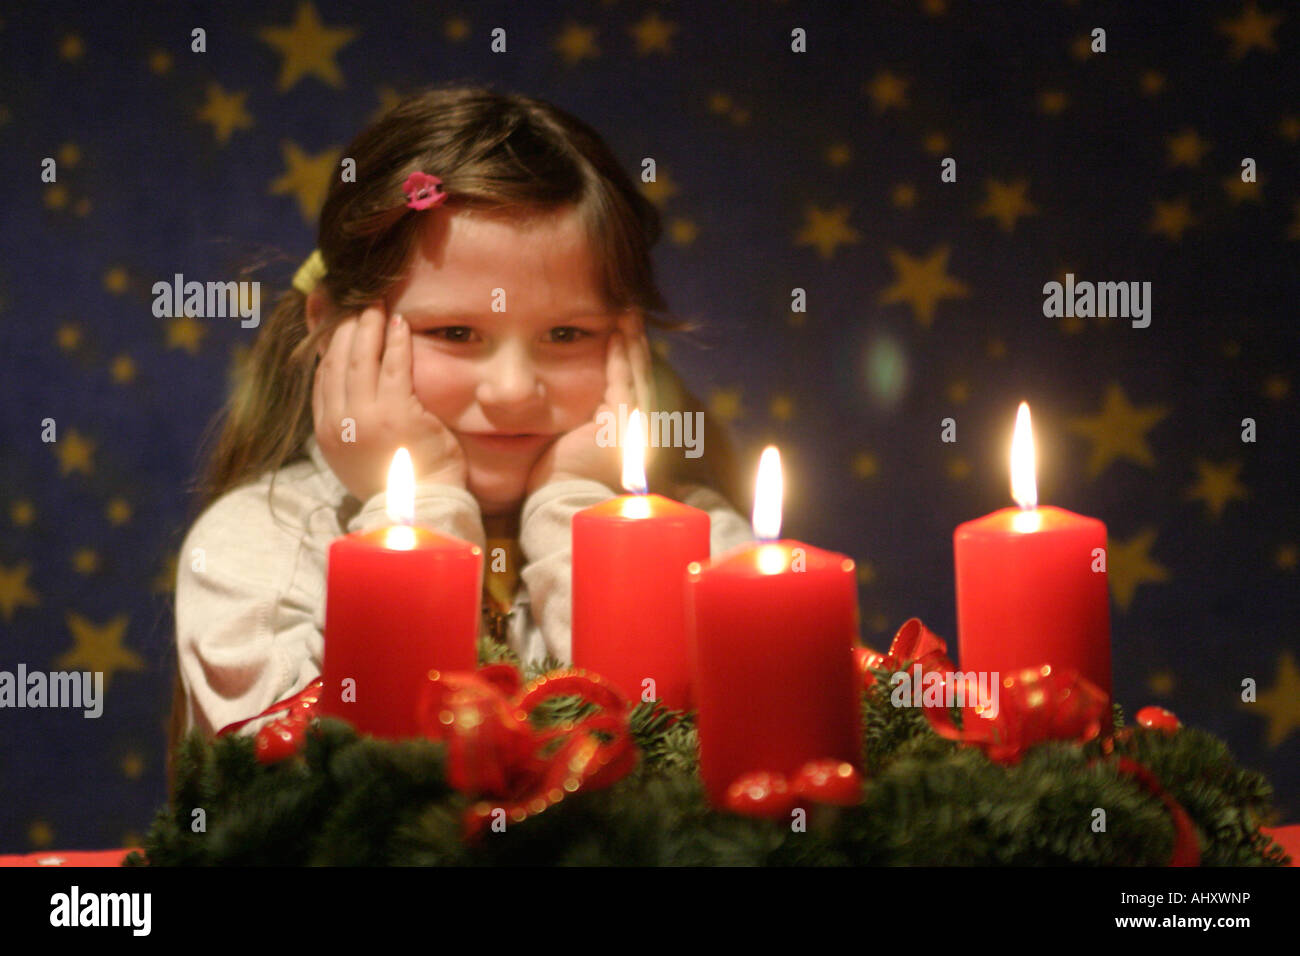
column 493, row 752
column 282, row 738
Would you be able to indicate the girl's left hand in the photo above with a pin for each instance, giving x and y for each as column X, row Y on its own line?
column 628, row 381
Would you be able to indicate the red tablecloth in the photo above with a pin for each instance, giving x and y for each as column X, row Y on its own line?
column 1288, row 836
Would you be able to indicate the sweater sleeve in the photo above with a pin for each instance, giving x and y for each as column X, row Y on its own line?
column 546, row 540
column 250, row 594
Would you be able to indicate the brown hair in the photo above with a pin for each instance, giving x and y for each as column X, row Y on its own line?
column 495, row 153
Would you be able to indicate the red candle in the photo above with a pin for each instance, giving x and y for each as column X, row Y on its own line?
column 774, row 625
column 1031, row 583
column 400, row 601
column 629, row 558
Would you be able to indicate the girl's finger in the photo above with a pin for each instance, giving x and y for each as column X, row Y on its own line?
column 639, row 359
column 619, row 387
column 363, row 358
column 335, row 374
column 395, row 369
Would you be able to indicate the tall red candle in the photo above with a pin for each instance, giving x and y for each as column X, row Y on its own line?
column 401, row 600
column 773, row 626
column 1031, row 584
column 629, row 559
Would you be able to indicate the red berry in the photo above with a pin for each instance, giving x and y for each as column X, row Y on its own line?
column 1157, row 718
column 761, row 794
column 828, row 781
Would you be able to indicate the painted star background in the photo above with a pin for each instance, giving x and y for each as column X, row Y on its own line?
column 777, row 171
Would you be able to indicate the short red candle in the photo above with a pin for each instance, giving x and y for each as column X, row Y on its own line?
column 629, row 616
column 401, row 600
column 1027, row 593
column 774, row 683
column 1031, row 584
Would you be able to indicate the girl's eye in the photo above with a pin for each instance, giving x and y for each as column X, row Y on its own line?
column 565, row 334
column 452, row 333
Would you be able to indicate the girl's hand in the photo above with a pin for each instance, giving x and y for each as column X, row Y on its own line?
column 628, row 381
column 365, row 375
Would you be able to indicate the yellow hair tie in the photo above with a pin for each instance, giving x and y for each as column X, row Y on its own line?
column 309, row 273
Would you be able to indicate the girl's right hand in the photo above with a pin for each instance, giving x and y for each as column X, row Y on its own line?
column 365, row 375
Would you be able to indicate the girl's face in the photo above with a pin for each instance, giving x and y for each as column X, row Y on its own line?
column 509, row 333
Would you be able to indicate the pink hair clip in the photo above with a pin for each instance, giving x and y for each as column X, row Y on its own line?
column 423, row 191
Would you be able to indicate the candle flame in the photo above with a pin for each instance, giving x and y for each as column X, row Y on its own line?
column 401, row 502
column 768, row 492
column 634, row 454
column 1024, row 487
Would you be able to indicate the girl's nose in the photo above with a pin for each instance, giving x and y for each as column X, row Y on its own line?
column 509, row 378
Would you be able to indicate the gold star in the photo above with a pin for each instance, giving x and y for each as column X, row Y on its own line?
column 934, row 8
column 1281, row 702
column 739, row 117
column 388, row 98
column 160, row 62
column 1217, row 485
column 307, row 177
column 185, row 332
column 118, row 511
column 958, row 468
column 826, row 230
column 74, row 453
column 660, row 189
column 165, row 580
column 1186, row 148
column 1081, row 48
column 1006, row 202
column 904, row 196
column 652, row 34
column 865, row 465
column 1129, row 565
column 455, row 29
column 1252, row 29
column 959, row 392
column 68, row 336
column 838, row 154
column 40, row 834
column 887, row 90
column 996, row 349
column 576, row 43
column 1152, row 83
column 85, row 561
column 1276, row 387
column 935, row 143
column 1239, row 191
column 132, row 766
column 1161, row 683
column 866, row 572
column 56, row 196
column 1118, row 431
column 123, row 370
column 308, row 48
column 1171, row 219
column 69, row 155
column 225, row 111
column 22, row 513
column 922, row 283
column 72, row 48
column 1289, row 128
column 14, row 592
column 98, row 648
column 116, row 280
column 1072, row 325
column 724, row 404
column 82, row 207
column 660, row 348
column 1286, row 557
column 719, row 102
column 781, row 408
column 1052, row 102
column 879, row 622
column 682, row 231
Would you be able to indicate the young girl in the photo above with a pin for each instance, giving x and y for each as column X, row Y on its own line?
column 478, row 296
